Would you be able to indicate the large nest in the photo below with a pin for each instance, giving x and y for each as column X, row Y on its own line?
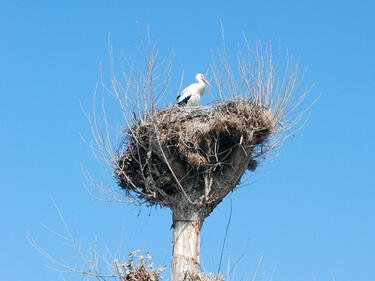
column 178, row 152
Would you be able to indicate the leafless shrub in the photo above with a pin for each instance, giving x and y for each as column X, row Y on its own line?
column 189, row 159
column 89, row 263
column 137, row 150
column 86, row 262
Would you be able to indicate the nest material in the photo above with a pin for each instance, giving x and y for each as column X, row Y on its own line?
column 194, row 145
column 143, row 270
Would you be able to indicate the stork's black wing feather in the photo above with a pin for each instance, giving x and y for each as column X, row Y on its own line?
column 184, row 101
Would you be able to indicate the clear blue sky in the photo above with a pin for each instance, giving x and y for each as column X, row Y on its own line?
column 310, row 212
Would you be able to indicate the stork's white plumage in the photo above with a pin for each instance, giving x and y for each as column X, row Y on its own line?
column 191, row 95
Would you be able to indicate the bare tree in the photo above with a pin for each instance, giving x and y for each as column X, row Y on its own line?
column 188, row 159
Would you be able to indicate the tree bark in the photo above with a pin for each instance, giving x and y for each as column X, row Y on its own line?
column 186, row 246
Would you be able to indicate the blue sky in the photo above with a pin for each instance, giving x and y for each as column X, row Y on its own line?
column 311, row 210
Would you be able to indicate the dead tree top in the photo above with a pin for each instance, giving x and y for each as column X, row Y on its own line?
column 194, row 155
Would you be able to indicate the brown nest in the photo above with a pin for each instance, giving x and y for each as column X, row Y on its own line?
column 178, row 152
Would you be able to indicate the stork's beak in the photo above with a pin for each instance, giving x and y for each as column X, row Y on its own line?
column 205, row 81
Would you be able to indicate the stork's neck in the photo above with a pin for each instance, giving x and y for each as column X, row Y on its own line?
column 201, row 83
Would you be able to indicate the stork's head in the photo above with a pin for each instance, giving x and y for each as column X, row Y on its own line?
column 200, row 77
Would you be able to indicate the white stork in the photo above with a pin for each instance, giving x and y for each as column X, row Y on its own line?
column 191, row 95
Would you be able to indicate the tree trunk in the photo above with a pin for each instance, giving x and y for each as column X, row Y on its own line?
column 186, row 245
